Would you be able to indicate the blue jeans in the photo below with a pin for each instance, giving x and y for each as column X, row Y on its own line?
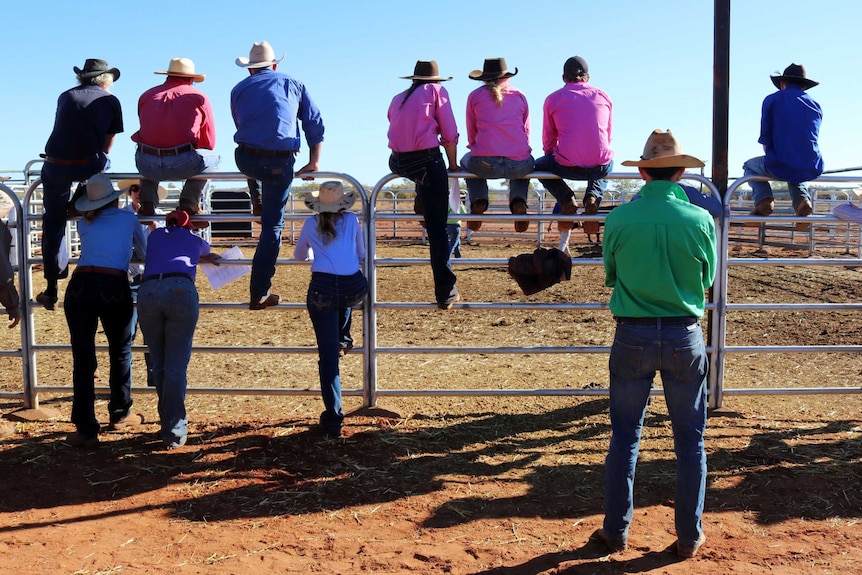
column 168, row 313
column 676, row 350
column 56, row 187
column 91, row 298
column 276, row 177
column 763, row 191
column 134, row 327
column 432, row 187
column 329, row 301
column 497, row 167
column 453, row 232
column 596, row 178
column 155, row 169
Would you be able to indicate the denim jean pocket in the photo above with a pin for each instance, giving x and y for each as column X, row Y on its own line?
column 416, row 170
column 626, row 360
column 319, row 301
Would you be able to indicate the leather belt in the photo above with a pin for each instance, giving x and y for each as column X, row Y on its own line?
column 267, row 153
column 167, row 275
column 417, row 154
column 63, row 162
column 175, row 151
column 658, row 321
column 101, row 270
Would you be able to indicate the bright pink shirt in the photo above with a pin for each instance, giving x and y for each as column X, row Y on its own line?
column 426, row 120
column 577, row 126
column 173, row 114
column 502, row 130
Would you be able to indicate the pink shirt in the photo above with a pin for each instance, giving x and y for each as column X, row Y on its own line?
column 494, row 130
column 425, row 121
column 577, row 126
column 173, row 114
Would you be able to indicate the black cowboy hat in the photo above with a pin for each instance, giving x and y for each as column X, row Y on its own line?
column 95, row 67
column 493, row 69
column 794, row 73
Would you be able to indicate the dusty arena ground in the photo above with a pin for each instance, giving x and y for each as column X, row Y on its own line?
column 444, row 484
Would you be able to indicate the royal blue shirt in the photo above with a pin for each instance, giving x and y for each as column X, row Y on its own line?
column 268, row 108
column 789, row 129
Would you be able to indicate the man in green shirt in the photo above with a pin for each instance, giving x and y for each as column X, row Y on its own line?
column 659, row 257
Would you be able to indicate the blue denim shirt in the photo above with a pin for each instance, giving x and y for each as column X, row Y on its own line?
column 268, row 108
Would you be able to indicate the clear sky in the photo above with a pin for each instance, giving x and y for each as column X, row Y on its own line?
column 653, row 58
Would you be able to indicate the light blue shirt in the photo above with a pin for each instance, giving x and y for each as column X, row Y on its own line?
column 342, row 255
column 109, row 239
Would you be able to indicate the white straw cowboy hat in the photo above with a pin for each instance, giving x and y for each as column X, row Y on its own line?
column 426, row 70
column 261, row 55
column 182, row 68
column 100, row 191
column 125, row 185
column 331, row 197
column 663, row 151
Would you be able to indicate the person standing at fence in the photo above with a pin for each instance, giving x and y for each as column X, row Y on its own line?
column 8, row 294
column 659, row 258
column 177, row 122
column 268, row 108
column 498, row 135
column 99, row 292
column 420, row 121
column 333, row 240
column 88, row 117
column 576, row 139
column 789, row 131
column 168, row 311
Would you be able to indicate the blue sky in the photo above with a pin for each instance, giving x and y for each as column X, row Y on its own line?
column 653, row 59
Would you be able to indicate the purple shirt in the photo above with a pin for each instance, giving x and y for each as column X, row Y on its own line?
column 425, row 121
column 502, row 130
column 577, row 126
column 342, row 255
column 172, row 250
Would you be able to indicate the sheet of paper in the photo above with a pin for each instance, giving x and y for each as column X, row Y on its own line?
column 220, row 275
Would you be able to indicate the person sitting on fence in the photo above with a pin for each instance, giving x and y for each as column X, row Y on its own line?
column 576, row 139
column 88, row 117
column 268, row 109
column 168, row 312
column 420, row 121
column 333, row 240
column 177, row 122
column 498, row 135
column 8, row 294
column 659, row 257
column 789, row 131
column 99, row 292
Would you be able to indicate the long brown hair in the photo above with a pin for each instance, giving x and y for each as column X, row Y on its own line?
column 90, row 215
column 416, row 84
column 326, row 225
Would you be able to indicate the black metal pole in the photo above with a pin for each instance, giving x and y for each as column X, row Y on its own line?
column 721, row 94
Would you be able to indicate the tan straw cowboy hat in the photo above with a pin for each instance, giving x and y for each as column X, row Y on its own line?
column 182, row 68
column 663, row 151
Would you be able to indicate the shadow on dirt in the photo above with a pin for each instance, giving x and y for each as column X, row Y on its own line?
column 234, row 471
